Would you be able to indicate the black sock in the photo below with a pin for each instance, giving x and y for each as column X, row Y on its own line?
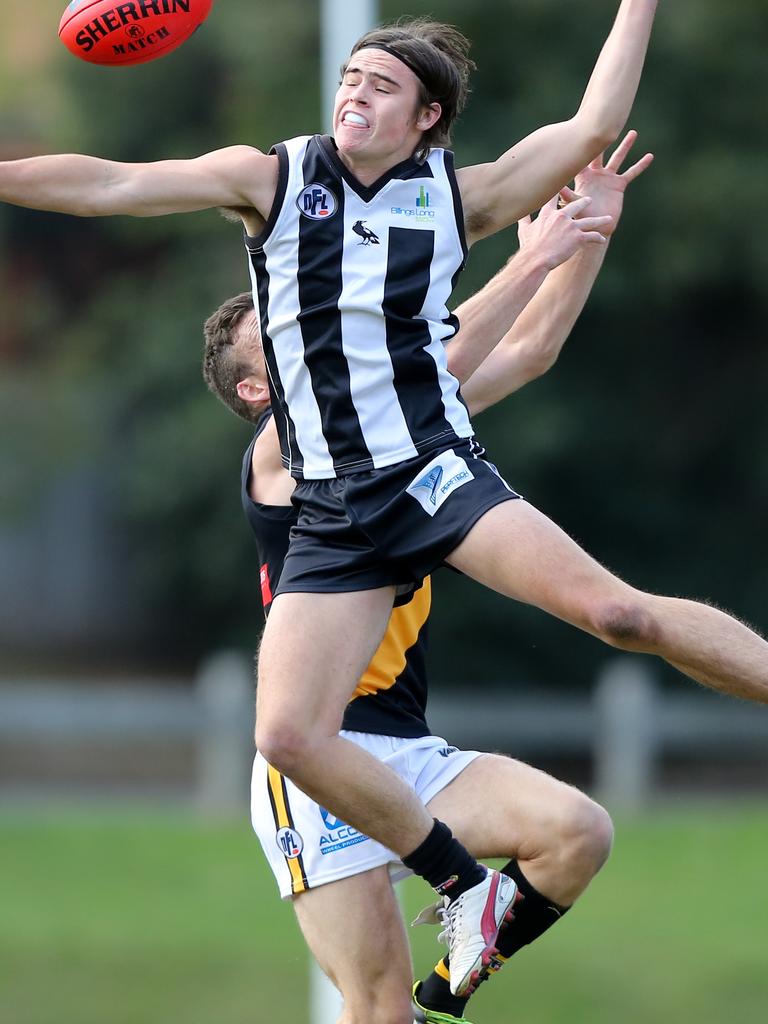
column 533, row 915
column 434, row 993
column 444, row 863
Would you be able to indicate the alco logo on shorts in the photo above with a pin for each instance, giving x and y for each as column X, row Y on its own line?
column 329, row 821
column 290, row 842
column 340, row 835
column 438, row 479
column 317, row 202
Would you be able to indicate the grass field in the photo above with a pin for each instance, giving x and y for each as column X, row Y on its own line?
column 110, row 918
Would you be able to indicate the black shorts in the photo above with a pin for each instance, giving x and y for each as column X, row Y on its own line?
column 391, row 526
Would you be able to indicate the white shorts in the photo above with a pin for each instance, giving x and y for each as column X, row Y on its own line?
column 307, row 846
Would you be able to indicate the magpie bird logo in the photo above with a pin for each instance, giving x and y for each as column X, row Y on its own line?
column 368, row 237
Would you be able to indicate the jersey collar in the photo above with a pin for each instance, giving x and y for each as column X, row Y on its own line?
column 405, row 169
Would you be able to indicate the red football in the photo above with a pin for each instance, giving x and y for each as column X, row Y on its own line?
column 132, row 32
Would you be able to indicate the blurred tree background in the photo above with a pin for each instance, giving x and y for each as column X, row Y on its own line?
column 648, row 442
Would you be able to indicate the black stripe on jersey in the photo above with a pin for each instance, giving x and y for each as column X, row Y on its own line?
column 286, row 430
column 321, row 248
column 415, row 371
column 458, row 205
column 406, row 169
column 452, row 320
column 280, row 151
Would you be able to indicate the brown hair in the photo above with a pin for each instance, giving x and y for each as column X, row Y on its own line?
column 223, row 365
column 438, row 55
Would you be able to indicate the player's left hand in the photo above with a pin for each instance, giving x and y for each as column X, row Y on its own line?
column 606, row 183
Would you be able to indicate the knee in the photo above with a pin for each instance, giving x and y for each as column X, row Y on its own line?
column 284, row 746
column 627, row 623
column 586, row 835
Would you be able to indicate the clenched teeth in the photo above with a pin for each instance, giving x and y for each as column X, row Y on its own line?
column 350, row 117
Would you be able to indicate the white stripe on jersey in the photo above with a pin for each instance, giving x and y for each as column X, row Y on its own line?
column 455, row 410
column 364, row 338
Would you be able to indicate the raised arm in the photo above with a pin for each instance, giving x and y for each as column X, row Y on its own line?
column 534, row 342
column 496, row 195
column 551, row 239
column 87, row 186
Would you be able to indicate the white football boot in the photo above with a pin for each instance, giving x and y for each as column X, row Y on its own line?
column 472, row 923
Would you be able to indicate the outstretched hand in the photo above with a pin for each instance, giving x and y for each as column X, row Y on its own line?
column 594, row 206
column 561, row 230
column 606, row 184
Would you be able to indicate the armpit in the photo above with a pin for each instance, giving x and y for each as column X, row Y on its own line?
column 478, row 224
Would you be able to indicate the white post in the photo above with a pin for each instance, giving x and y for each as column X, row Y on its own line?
column 225, row 690
column 342, row 22
column 627, row 731
column 325, row 1003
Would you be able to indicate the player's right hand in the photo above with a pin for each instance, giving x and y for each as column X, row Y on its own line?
column 606, row 184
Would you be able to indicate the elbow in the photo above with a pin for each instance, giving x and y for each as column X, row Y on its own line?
column 607, row 130
column 602, row 137
column 599, row 130
column 539, row 365
column 609, row 136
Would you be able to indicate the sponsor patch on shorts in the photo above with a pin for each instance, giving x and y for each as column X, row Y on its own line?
column 339, row 835
column 290, row 842
column 438, row 480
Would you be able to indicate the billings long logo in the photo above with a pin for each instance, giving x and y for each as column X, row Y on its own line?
column 126, row 16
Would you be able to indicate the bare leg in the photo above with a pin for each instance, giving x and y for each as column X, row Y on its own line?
column 517, row 551
column 555, row 838
column 498, row 807
column 355, row 931
column 314, row 650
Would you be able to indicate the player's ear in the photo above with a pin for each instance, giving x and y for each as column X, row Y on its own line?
column 429, row 116
column 253, row 391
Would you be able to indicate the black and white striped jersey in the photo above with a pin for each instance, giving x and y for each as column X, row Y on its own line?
column 351, row 283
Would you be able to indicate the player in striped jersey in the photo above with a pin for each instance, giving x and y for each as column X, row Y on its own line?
column 547, row 831
column 361, row 328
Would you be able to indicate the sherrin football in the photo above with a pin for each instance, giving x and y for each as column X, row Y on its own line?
column 132, row 32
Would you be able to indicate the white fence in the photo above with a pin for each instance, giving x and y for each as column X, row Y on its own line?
column 215, row 715
column 625, row 725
